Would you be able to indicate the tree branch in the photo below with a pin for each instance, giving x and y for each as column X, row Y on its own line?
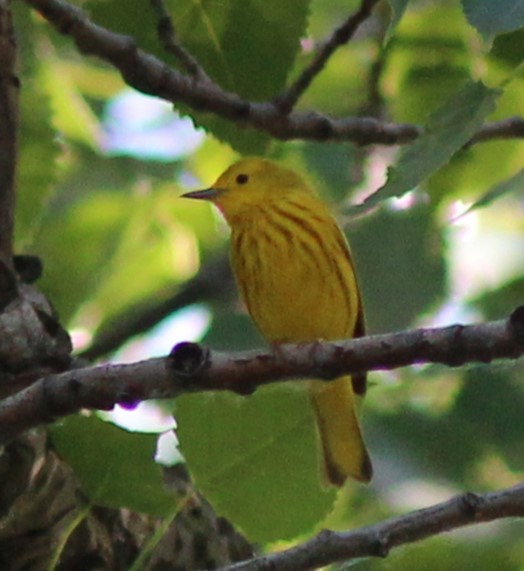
column 340, row 36
column 148, row 74
column 377, row 540
column 512, row 127
column 167, row 35
column 191, row 368
column 9, row 88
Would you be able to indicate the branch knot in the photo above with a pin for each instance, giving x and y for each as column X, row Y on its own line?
column 187, row 359
column 516, row 323
column 470, row 504
column 380, row 545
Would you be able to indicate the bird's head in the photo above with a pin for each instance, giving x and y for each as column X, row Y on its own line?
column 249, row 184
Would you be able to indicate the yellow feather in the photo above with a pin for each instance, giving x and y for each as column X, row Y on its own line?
column 294, row 271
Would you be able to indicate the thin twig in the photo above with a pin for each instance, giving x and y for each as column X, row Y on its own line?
column 378, row 540
column 167, row 35
column 374, row 104
column 340, row 36
column 512, row 127
column 9, row 90
column 192, row 368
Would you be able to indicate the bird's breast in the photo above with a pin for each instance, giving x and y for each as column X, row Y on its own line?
column 295, row 275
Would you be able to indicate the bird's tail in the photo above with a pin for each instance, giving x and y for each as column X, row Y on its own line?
column 343, row 447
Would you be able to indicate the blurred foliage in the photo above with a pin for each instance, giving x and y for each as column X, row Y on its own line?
column 86, row 440
column 112, row 234
column 380, row 241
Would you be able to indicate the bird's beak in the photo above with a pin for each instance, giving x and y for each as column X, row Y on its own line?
column 206, row 194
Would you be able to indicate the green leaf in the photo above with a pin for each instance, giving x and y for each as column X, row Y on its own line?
column 153, row 244
column 493, row 18
column 479, row 551
column 499, row 303
column 401, row 267
column 398, row 7
column 115, row 233
column 454, row 444
column 513, row 184
column 38, row 150
column 116, row 467
column 255, row 459
column 427, row 61
column 490, row 408
column 333, row 167
column 92, row 230
column 423, row 444
column 248, row 48
column 37, row 162
column 71, row 114
column 425, row 82
column 509, row 47
column 231, row 329
column 447, row 131
column 131, row 17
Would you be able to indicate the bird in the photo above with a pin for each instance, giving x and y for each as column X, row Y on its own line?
column 296, row 276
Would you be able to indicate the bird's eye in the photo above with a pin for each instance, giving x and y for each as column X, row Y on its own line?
column 242, row 178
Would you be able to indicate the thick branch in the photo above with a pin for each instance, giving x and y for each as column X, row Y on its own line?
column 190, row 368
column 148, row 74
column 9, row 86
column 377, row 540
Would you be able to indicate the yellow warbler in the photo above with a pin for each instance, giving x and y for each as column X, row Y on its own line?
column 294, row 271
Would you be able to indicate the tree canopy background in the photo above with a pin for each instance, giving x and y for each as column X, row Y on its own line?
column 100, row 171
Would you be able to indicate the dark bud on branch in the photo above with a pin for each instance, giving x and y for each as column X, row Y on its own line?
column 8, row 285
column 28, row 268
column 187, row 359
column 516, row 322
